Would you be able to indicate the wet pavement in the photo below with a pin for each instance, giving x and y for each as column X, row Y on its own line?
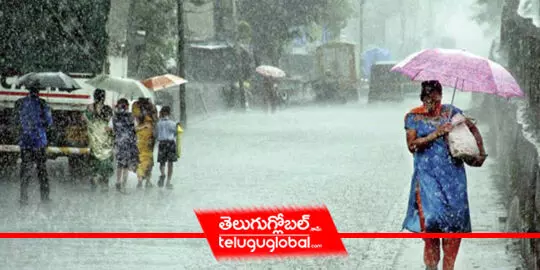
column 352, row 158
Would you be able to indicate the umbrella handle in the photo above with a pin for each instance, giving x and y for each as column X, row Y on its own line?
column 454, row 94
column 455, row 87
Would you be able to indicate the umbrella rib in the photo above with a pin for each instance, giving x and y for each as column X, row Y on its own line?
column 416, row 75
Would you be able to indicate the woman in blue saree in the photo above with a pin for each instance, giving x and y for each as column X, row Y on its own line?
column 438, row 199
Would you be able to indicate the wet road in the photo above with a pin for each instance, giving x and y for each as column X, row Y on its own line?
column 351, row 158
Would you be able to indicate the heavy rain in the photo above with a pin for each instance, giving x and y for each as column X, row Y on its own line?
column 125, row 116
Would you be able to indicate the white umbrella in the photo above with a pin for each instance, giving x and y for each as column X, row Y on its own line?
column 129, row 88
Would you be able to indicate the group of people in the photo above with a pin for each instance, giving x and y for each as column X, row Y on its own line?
column 130, row 137
column 120, row 135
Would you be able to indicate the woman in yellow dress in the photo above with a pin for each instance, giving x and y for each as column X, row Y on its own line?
column 146, row 115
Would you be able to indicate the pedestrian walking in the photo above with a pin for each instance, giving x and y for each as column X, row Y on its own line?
column 438, row 199
column 146, row 116
column 34, row 117
column 270, row 95
column 97, row 117
column 167, row 134
column 125, row 142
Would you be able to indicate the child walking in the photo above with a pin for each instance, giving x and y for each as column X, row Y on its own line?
column 125, row 142
column 167, row 151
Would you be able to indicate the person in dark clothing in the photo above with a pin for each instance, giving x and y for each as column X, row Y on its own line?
column 270, row 95
column 34, row 117
column 125, row 142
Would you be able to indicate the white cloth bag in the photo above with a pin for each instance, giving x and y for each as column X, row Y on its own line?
column 461, row 140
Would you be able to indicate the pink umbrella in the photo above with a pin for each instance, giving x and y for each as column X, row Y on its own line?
column 270, row 71
column 460, row 69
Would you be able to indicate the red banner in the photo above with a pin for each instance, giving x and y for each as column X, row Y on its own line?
column 269, row 232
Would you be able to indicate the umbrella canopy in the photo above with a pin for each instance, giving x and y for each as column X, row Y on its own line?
column 460, row 69
column 43, row 80
column 162, row 82
column 270, row 72
column 128, row 87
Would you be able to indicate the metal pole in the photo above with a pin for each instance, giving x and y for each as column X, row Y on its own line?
column 361, row 34
column 130, row 36
column 239, row 60
column 180, row 63
column 403, row 21
column 361, row 26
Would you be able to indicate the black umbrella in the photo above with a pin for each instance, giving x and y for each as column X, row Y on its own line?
column 54, row 80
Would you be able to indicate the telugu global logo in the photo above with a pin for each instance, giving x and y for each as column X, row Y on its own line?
column 261, row 232
column 263, row 242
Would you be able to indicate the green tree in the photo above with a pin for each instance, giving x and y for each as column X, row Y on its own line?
column 60, row 35
column 157, row 20
column 272, row 20
column 335, row 15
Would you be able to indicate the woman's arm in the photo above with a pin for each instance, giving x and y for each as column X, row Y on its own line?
column 143, row 126
column 138, row 124
column 110, row 126
column 415, row 144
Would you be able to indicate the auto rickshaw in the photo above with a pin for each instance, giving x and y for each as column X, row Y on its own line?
column 336, row 73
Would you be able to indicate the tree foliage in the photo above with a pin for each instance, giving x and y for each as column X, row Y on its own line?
column 61, row 35
column 272, row 21
column 157, row 18
column 488, row 12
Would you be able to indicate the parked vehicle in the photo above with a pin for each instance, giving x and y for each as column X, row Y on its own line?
column 336, row 73
column 385, row 85
column 68, row 135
